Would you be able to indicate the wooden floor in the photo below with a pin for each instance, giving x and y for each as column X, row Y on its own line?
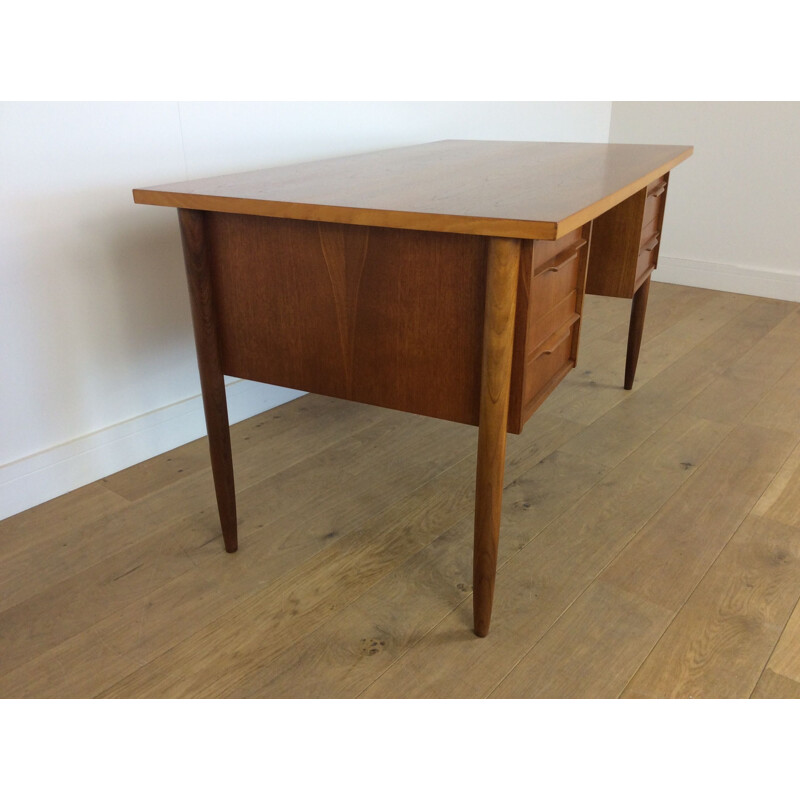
column 650, row 544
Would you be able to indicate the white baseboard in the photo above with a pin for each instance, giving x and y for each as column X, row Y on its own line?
column 780, row 285
column 42, row 476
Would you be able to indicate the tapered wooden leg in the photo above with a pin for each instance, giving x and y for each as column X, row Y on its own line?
column 498, row 341
column 212, row 382
column 638, row 310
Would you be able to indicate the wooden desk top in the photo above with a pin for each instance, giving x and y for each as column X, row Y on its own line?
column 530, row 190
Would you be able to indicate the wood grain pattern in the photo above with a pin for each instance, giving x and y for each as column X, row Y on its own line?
column 345, row 268
column 534, row 190
column 41, row 526
column 590, row 652
column 615, row 248
column 725, row 632
column 180, row 568
column 545, row 577
column 772, row 686
column 780, row 407
column 199, row 274
column 781, row 500
column 362, row 639
column 627, row 240
column 668, row 558
column 378, row 316
column 785, row 659
column 689, row 357
column 594, row 386
column 502, row 275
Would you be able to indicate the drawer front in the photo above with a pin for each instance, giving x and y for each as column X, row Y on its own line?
column 544, row 325
column 545, row 252
column 554, row 293
column 552, row 359
column 552, row 279
column 651, row 233
column 649, row 240
column 654, row 201
column 647, row 261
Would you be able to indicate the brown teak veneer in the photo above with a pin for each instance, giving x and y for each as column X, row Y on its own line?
column 444, row 279
column 626, row 242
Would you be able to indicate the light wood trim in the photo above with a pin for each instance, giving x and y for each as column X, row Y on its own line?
column 406, row 220
column 498, row 345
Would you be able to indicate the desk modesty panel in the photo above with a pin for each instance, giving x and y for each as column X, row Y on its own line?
column 443, row 279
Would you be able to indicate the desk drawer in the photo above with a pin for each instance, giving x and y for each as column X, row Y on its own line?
column 554, row 294
column 650, row 231
column 647, row 260
column 552, row 277
column 546, row 324
column 654, row 201
column 547, row 251
column 549, row 361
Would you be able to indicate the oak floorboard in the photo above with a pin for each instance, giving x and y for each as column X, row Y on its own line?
column 628, row 423
column 344, row 656
column 605, row 323
column 667, row 559
column 772, row 686
column 785, row 658
column 721, row 638
column 127, row 640
column 304, row 597
column 774, row 353
column 592, row 650
column 780, row 406
column 274, row 439
column 668, row 305
column 595, row 387
column 781, row 500
column 544, row 578
column 144, row 625
column 47, row 618
column 725, row 401
column 356, row 523
column 39, row 527
column 76, row 545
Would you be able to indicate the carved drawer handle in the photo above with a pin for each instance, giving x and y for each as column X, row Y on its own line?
column 555, row 346
column 652, row 244
column 564, row 259
column 659, row 190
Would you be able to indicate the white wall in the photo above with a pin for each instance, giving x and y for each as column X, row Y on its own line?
column 732, row 211
column 97, row 355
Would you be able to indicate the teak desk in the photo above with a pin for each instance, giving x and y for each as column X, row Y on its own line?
column 443, row 279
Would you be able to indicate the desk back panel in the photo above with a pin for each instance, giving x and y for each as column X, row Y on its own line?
column 376, row 315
